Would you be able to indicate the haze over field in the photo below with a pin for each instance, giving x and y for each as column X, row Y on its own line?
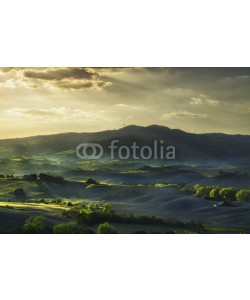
column 35, row 101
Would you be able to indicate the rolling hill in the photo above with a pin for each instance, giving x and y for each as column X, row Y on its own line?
column 190, row 147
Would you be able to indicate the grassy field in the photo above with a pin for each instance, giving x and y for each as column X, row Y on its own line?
column 165, row 200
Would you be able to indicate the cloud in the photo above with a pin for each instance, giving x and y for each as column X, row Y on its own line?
column 195, row 101
column 62, row 78
column 124, row 106
column 203, row 99
column 185, row 114
column 53, row 114
column 212, row 102
column 58, row 74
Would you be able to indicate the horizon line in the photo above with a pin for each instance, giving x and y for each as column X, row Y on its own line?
column 116, row 129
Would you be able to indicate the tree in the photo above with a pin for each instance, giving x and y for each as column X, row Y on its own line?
column 91, row 181
column 35, row 224
column 106, row 228
column 19, row 192
column 203, row 190
column 107, row 207
column 31, row 177
column 228, row 194
column 243, row 195
column 51, row 178
column 215, row 194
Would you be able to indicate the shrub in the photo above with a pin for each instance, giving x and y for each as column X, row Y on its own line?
column 2, row 176
column 215, row 194
column 19, row 192
column 91, row 181
column 106, row 228
column 35, row 224
column 31, row 177
column 51, row 178
column 228, row 194
column 243, row 195
column 160, row 185
column 203, row 190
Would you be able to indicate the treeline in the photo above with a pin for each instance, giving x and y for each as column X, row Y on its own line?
column 98, row 212
column 221, row 194
column 208, row 192
column 102, row 215
column 33, row 177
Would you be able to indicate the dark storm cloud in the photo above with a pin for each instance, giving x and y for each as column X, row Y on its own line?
column 60, row 74
column 62, row 77
column 227, row 84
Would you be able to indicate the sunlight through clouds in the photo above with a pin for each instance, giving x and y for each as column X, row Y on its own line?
column 93, row 99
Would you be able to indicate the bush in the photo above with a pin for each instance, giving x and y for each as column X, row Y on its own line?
column 203, row 190
column 36, row 224
column 71, row 228
column 215, row 194
column 51, row 178
column 228, row 194
column 243, row 195
column 91, row 181
column 160, row 185
column 31, row 177
column 106, row 228
column 19, row 192
column 2, row 176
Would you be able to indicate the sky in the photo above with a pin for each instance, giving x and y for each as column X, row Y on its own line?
column 39, row 101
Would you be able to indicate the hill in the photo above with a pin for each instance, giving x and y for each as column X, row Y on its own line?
column 190, row 147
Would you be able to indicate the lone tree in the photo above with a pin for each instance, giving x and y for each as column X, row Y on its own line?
column 106, row 228
column 36, row 224
column 19, row 192
column 91, row 181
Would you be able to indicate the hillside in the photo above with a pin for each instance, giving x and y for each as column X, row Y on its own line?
column 189, row 147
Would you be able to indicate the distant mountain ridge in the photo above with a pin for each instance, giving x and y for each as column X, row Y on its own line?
column 189, row 146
